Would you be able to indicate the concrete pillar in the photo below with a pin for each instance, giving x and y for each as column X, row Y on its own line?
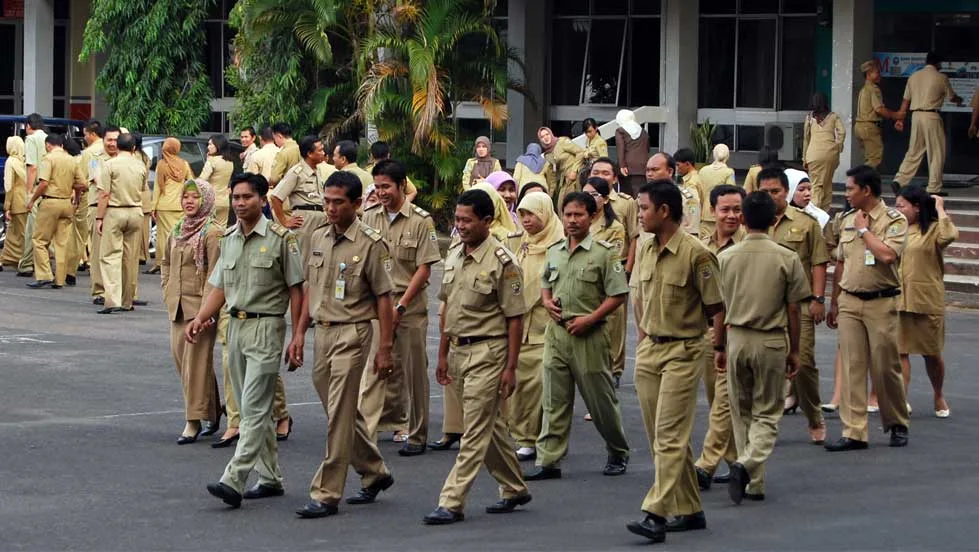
column 81, row 75
column 678, row 72
column 853, row 43
column 38, row 53
column 526, row 24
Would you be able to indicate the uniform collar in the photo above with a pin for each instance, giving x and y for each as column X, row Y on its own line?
column 674, row 244
column 480, row 252
column 404, row 211
column 289, row 142
column 270, row 145
column 738, row 235
column 261, row 228
column 350, row 234
column 306, row 169
column 757, row 237
column 585, row 243
column 95, row 145
column 880, row 209
column 251, row 148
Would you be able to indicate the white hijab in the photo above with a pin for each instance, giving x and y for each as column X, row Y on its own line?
column 795, row 178
column 627, row 120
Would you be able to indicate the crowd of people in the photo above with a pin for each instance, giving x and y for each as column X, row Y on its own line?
column 544, row 267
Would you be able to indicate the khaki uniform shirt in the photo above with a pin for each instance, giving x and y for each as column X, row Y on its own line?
column 365, row 178
column 262, row 160
column 927, row 88
column 756, row 260
column 168, row 195
column 93, row 157
column 410, row 187
column 801, row 233
column 566, row 156
column 692, row 210
column 822, row 140
column 751, row 179
column 412, row 239
column 712, row 176
column 596, row 147
column 184, row 288
column 481, row 290
column 257, row 270
column 123, row 177
column 674, row 286
column 627, row 211
column 714, row 244
column 583, row 277
column 246, row 160
column 861, row 272
column 868, row 102
column 218, row 171
column 613, row 234
column 691, row 181
column 300, row 186
column 923, row 268
column 324, row 170
column 62, row 172
column 347, row 273
column 286, row 157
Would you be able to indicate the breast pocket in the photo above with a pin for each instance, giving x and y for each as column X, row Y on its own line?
column 262, row 271
column 587, row 281
column 675, row 288
column 315, row 269
column 405, row 251
column 229, row 272
column 479, row 295
column 354, row 276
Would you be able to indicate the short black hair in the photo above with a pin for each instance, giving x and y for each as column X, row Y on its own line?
column 685, row 155
column 35, row 121
column 348, row 149
column 767, row 155
column 581, row 197
column 774, row 173
column 589, row 123
column 257, row 182
column 111, row 128
column 94, row 126
column 480, row 201
column 126, row 142
column 665, row 192
column 866, row 176
column 615, row 167
column 72, row 147
column 283, row 129
column 723, row 190
column 55, row 139
column 348, row 181
column 380, row 150
column 249, row 130
column 267, row 135
column 758, row 210
column 137, row 139
column 392, row 169
column 307, row 145
column 934, row 58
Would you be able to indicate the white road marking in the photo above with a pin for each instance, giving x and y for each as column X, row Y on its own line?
column 22, row 338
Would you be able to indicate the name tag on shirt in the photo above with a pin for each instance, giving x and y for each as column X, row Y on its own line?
column 868, row 258
column 340, row 290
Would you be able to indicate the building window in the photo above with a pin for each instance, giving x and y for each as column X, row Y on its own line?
column 219, row 37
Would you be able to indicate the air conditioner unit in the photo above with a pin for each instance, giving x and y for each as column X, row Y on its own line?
column 782, row 136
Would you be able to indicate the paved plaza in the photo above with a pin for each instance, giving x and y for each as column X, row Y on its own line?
column 90, row 407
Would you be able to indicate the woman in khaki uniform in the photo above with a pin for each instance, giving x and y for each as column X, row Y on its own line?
column 531, row 167
column 192, row 253
column 15, row 201
column 481, row 166
column 921, row 305
column 217, row 171
column 597, row 147
column 823, row 139
column 171, row 173
column 542, row 229
column 564, row 157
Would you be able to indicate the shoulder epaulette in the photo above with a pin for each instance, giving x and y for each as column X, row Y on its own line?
column 688, row 193
column 280, row 230
column 372, row 207
column 625, row 195
column 848, row 213
column 516, row 234
column 421, row 211
column 230, row 230
column 605, row 244
column 370, row 232
column 556, row 244
column 894, row 213
column 454, row 245
column 297, row 169
column 808, row 214
column 503, row 255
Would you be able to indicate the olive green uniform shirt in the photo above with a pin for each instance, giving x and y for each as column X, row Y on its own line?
column 365, row 177
column 582, row 278
column 715, row 245
column 860, row 273
column 287, row 156
column 481, row 290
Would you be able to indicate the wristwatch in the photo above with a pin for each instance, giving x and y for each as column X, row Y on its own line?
column 401, row 308
column 861, row 232
column 819, row 299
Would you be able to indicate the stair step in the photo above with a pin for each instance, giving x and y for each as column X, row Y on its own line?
column 962, row 251
column 953, row 201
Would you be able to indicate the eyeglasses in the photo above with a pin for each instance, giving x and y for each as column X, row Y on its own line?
column 595, row 195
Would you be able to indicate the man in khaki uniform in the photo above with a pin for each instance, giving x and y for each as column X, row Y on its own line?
column 379, row 151
column 118, row 221
column 247, row 138
column 90, row 163
column 757, row 359
column 96, row 161
column 478, row 350
column 345, row 159
column 60, row 181
column 871, row 243
column 259, row 276
column 725, row 201
column 263, row 159
column 675, row 287
column 410, row 234
column 302, row 189
column 690, row 180
column 801, row 233
column 662, row 166
column 34, row 152
column 870, row 112
column 924, row 95
column 288, row 154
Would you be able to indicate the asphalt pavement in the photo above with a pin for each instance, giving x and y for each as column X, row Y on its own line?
column 90, row 407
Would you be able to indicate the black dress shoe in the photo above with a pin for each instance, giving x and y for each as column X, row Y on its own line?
column 228, row 495
column 508, row 505
column 899, row 436
column 441, row 516
column 224, row 443
column 83, row 267
column 687, row 523
column 652, row 527
column 703, row 479
column 541, row 473
column 615, row 465
column 41, row 284
column 722, row 477
column 25, row 274
column 98, row 301
column 111, row 310
column 140, row 303
column 263, row 491
column 446, row 442
column 739, row 480
column 757, row 497
column 367, row 495
column 188, row 439
column 411, row 450
column 845, row 443
column 284, row 436
column 315, row 509
column 528, row 456
column 71, row 280
column 154, row 270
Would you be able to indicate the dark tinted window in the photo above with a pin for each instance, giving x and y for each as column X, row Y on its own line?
column 715, row 87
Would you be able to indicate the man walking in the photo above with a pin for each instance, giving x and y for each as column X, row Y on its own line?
column 870, row 112
column 34, row 152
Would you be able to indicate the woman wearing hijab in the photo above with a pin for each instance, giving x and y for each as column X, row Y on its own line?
column 171, row 173
column 193, row 251
column 503, row 224
column 800, row 195
column 712, row 176
column 481, row 166
column 507, row 188
column 14, row 201
column 217, row 171
column 565, row 158
column 823, row 139
column 531, row 166
column 632, row 149
column 542, row 229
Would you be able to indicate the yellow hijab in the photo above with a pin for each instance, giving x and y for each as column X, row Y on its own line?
column 15, row 151
column 533, row 248
column 502, row 221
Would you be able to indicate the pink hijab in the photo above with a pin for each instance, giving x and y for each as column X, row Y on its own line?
column 499, row 178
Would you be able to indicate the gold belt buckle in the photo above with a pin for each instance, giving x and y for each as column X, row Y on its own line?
column 454, row 340
column 241, row 315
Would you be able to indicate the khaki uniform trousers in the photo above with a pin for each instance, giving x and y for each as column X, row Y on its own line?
column 616, row 332
column 95, row 260
column 78, row 244
column 927, row 136
column 119, row 252
column 582, row 361
column 165, row 221
column 452, row 411
column 382, row 401
column 667, row 375
column 719, row 440
column 341, row 353
column 524, row 409
column 221, row 214
column 52, row 224
column 868, row 333
column 805, row 385
column 873, row 146
column 13, row 245
column 821, row 175
column 755, row 378
column 26, row 263
column 475, row 371
column 144, row 245
column 279, row 409
column 195, row 366
column 254, row 356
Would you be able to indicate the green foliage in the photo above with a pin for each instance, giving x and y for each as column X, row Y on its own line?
column 154, row 78
column 702, row 136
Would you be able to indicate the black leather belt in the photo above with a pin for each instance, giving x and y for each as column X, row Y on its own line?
column 463, row 341
column 307, row 207
column 124, row 206
column 924, row 111
column 242, row 315
column 324, row 324
column 871, row 295
column 666, row 338
column 52, row 197
column 875, row 123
